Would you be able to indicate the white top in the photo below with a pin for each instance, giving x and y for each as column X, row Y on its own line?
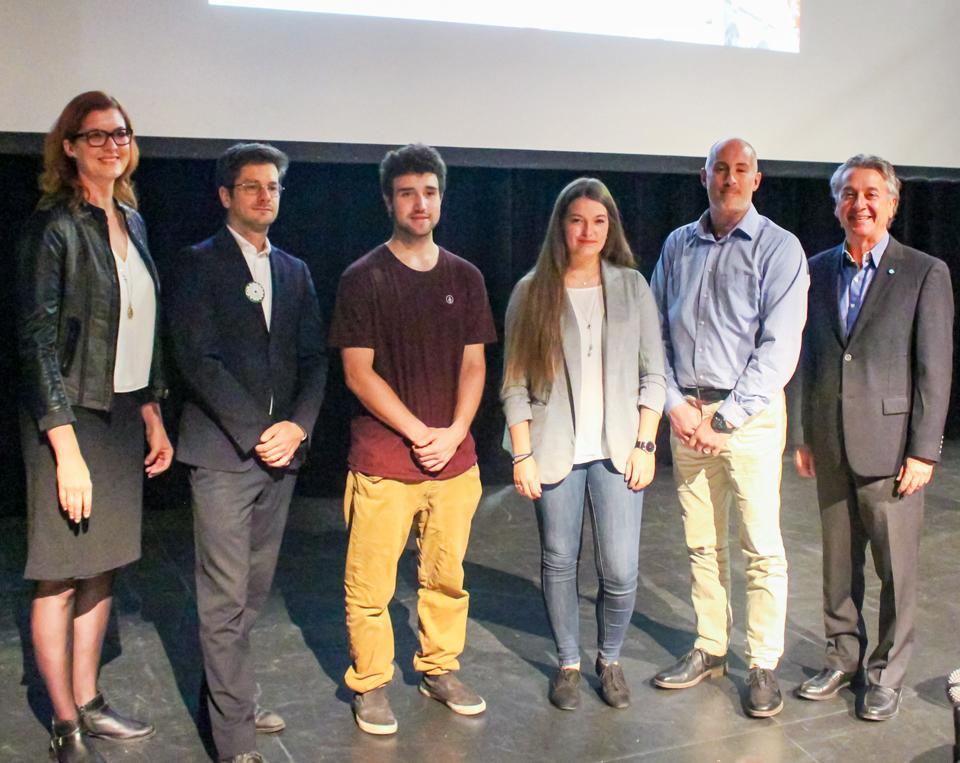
column 588, row 426
column 138, row 322
column 259, row 264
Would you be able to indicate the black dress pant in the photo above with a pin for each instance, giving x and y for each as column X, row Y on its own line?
column 238, row 521
column 854, row 511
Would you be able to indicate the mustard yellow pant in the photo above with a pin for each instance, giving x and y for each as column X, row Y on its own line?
column 379, row 514
column 745, row 473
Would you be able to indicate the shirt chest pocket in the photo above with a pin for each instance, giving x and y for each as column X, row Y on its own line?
column 737, row 292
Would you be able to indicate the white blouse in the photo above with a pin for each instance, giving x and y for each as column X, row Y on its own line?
column 138, row 322
column 588, row 427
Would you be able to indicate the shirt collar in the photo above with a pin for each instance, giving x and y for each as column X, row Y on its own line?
column 871, row 257
column 248, row 249
column 747, row 227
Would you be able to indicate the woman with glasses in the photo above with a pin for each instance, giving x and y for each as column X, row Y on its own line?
column 90, row 355
column 583, row 390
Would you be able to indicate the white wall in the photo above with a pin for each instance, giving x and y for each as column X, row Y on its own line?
column 871, row 76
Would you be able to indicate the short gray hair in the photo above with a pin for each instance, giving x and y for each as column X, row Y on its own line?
column 869, row 162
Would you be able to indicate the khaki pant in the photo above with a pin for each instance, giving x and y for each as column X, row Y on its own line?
column 379, row 513
column 746, row 472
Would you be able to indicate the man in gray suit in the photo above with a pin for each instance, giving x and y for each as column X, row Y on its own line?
column 875, row 380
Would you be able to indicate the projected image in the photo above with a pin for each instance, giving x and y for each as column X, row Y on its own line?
column 762, row 24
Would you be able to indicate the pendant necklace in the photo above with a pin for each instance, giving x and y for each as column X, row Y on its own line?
column 590, row 318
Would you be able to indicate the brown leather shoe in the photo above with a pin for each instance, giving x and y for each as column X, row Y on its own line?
column 371, row 711
column 691, row 669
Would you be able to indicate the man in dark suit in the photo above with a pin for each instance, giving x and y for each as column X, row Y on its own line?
column 875, row 386
column 247, row 338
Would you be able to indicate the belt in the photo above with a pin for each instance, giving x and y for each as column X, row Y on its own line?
column 706, row 394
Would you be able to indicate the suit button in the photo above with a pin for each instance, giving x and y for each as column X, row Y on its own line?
column 848, row 357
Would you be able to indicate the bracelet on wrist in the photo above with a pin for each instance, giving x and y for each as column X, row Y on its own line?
column 521, row 457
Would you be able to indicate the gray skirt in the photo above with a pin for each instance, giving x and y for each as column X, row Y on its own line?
column 112, row 444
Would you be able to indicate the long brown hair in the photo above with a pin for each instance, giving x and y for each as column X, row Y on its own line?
column 59, row 178
column 534, row 348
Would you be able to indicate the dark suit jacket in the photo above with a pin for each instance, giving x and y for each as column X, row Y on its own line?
column 230, row 363
column 881, row 394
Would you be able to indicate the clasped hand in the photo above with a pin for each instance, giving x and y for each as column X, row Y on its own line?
column 279, row 443
column 436, row 446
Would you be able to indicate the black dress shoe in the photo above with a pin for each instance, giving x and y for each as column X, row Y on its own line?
column 565, row 689
column 691, row 669
column 763, row 694
column 825, row 685
column 69, row 745
column 880, row 703
column 99, row 720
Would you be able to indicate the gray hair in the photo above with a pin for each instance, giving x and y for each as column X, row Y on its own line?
column 869, row 162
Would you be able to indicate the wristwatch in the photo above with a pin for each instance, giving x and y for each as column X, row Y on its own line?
column 721, row 425
column 647, row 445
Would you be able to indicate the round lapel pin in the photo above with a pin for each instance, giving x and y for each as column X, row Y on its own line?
column 891, row 271
column 254, row 292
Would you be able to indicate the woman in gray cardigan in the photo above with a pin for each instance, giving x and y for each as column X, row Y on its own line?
column 583, row 391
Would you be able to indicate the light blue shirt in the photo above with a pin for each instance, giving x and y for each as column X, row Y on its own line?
column 853, row 282
column 732, row 311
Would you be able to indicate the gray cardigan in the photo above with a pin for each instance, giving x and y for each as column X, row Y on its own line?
column 632, row 375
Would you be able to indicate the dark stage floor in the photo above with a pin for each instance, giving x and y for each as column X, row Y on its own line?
column 152, row 661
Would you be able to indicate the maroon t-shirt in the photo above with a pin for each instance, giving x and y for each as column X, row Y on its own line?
column 417, row 323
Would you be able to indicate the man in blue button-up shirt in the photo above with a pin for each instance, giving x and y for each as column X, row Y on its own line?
column 732, row 293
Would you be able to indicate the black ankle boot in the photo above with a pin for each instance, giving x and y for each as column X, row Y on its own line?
column 99, row 720
column 69, row 745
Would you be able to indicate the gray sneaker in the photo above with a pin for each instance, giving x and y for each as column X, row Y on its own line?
column 452, row 692
column 372, row 712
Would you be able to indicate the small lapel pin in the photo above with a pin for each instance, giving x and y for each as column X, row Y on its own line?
column 891, row 271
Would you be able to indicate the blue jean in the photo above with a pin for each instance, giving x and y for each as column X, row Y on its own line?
column 615, row 513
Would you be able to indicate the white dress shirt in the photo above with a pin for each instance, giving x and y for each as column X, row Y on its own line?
column 259, row 265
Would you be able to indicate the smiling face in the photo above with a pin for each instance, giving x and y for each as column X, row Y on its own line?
column 730, row 177
column 585, row 227
column 415, row 204
column 251, row 207
column 104, row 164
column 865, row 206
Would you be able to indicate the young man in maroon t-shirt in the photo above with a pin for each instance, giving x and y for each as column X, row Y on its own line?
column 411, row 321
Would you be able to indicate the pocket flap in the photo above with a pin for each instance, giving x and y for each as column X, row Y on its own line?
column 895, row 405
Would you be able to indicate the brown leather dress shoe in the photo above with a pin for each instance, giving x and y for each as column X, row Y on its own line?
column 691, row 669
column 825, row 685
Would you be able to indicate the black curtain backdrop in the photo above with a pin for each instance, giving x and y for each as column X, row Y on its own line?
column 331, row 213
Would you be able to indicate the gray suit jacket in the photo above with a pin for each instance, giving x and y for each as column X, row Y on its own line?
column 632, row 375
column 883, row 393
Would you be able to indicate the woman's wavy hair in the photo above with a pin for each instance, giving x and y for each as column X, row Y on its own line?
column 59, row 178
column 534, row 350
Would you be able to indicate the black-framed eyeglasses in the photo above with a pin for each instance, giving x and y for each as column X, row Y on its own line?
column 96, row 138
column 253, row 188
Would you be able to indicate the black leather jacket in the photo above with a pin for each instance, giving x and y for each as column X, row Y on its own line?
column 69, row 311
